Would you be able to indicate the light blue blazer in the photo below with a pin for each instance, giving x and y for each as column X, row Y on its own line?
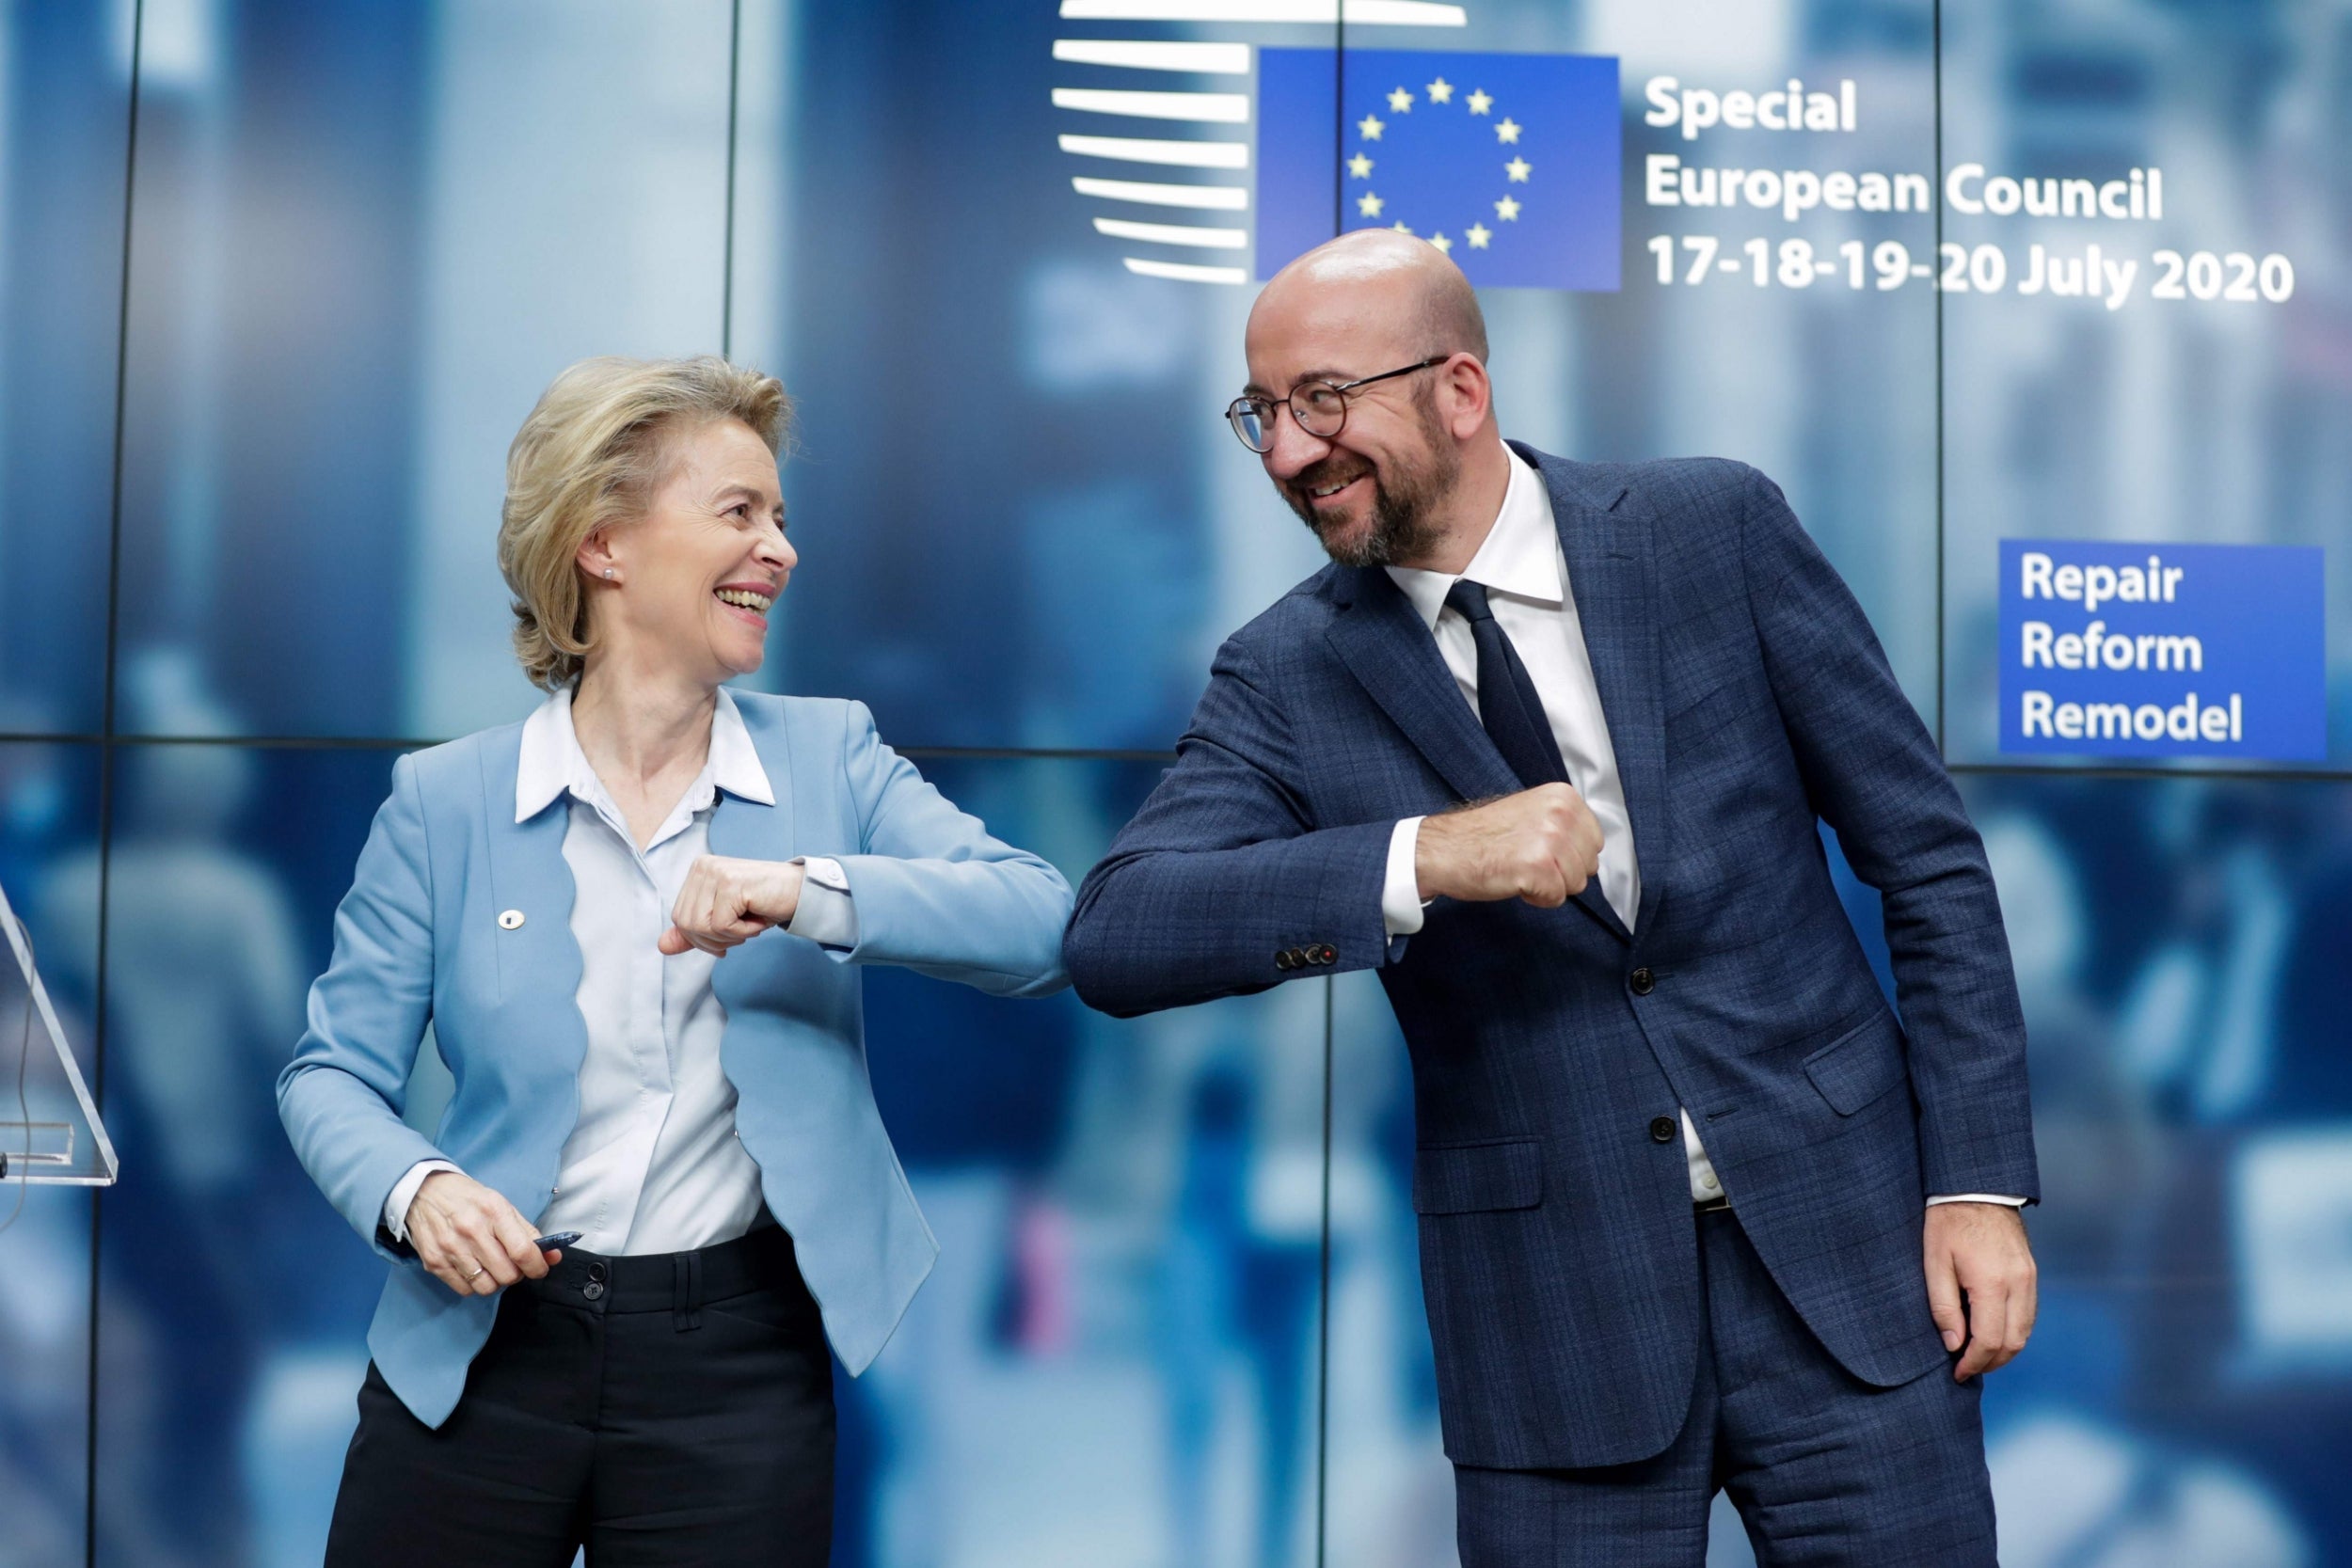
column 419, row 938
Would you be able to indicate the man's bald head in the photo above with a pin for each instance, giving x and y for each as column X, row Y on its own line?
column 1382, row 287
column 1408, row 465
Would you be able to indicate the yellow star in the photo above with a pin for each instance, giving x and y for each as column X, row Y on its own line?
column 1508, row 131
column 1370, row 127
column 1445, row 247
column 1401, row 102
column 1478, row 235
column 1360, row 166
column 1440, row 92
column 1518, row 169
column 1507, row 210
column 1369, row 205
column 1479, row 101
column 1399, row 226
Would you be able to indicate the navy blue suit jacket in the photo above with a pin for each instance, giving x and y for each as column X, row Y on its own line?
column 1747, row 700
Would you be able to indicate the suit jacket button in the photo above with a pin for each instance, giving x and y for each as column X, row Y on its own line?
column 1662, row 1129
column 1327, row 954
column 1282, row 958
column 1643, row 981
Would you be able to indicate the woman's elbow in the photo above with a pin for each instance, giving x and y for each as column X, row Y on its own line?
column 1037, row 968
column 1049, row 971
column 1048, row 979
column 292, row 1101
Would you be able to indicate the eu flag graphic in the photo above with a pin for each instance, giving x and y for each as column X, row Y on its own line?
column 1508, row 162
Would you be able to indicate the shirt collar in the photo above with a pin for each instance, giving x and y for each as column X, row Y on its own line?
column 552, row 761
column 1520, row 555
column 734, row 760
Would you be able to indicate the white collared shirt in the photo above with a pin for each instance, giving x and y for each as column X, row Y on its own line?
column 1526, row 577
column 652, row 1163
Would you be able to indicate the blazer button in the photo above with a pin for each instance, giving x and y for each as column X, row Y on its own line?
column 1662, row 1129
column 1282, row 958
column 510, row 920
column 1327, row 954
column 1643, row 981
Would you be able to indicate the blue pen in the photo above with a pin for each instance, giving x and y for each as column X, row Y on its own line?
column 557, row 1241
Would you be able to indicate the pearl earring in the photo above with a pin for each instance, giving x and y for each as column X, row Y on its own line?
column 608, row 572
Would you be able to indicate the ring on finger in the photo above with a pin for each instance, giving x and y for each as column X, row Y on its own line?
column 478, row 1271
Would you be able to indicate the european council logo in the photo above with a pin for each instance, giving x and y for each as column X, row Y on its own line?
column 1507, row 162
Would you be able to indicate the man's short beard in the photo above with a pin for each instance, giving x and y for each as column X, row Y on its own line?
column 1404, row 500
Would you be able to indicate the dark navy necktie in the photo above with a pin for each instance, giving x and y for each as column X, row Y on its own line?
column 1507, row 703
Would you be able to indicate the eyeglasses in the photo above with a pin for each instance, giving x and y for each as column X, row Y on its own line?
column 1319, row 407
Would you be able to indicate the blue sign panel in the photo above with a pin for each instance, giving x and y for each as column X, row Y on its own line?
column 1508, row 162
column 2124, row 650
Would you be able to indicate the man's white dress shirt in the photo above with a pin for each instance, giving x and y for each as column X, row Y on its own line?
column 1526, row 577
column 653, row 1163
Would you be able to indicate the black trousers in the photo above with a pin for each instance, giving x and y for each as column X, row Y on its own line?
column 674, row 1408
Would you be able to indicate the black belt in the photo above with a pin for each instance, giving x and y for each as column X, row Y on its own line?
column 679, row 1281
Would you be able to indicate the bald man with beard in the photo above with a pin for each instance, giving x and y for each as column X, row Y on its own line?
column 1548, row 746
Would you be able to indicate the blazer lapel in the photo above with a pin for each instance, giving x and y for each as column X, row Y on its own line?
column 752, row 830
column 1611, row 573
column 544, row 1038
column 1381, row 637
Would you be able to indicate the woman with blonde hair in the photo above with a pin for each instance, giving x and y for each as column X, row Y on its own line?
column 662, row 1185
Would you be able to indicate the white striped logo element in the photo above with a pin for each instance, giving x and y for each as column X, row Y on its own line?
column 1221, row 199
column 1186, row 154
column 1200, row 59
column 1174, row 234
column 1205, row 108
column 1205, row 58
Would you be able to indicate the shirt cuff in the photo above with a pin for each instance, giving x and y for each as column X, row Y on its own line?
column 827, row 915
column 404, row 1194
column 1977, row 1197
column 1400, row 890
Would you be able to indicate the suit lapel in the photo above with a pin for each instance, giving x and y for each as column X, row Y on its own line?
column 1381, row 637
column 1612, row 562
column 1384, row 643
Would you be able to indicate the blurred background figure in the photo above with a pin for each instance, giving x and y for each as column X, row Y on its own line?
column 209, row 1292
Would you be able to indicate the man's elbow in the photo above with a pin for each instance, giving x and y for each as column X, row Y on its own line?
column 1112, row 970
column 1093, row 967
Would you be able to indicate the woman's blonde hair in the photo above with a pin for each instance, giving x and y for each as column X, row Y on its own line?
column 592, row 453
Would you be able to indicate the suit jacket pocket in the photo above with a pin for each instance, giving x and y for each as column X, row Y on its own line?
column 1733, row 695
column 1858, row 1066
column 1460, row 1179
